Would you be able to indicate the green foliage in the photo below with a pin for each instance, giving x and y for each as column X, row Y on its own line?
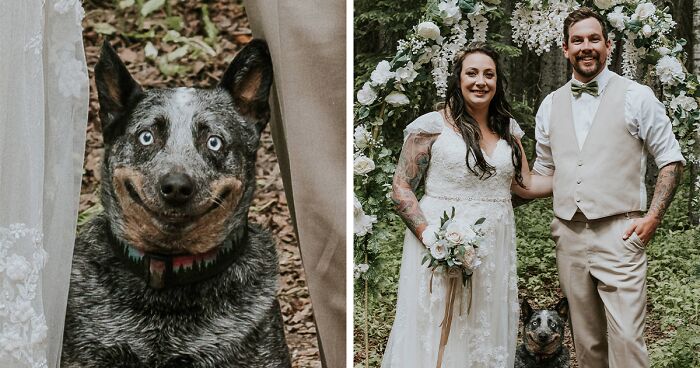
column 682, row 350
column 378, row 26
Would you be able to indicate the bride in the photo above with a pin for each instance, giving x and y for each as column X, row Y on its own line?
column 471, row 158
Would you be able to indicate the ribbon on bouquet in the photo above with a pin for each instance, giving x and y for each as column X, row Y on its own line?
column 453, row 287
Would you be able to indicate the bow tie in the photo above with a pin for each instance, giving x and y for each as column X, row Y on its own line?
column 590, row 88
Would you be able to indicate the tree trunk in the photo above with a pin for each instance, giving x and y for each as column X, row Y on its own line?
column 554, row 72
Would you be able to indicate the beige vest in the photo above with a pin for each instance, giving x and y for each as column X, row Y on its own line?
column 603, row 178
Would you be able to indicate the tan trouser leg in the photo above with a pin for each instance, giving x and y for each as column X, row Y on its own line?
column 307, row 45
column 604, row 278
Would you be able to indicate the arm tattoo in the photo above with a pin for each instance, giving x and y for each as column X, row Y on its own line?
column 666, row 183
column 413, row 163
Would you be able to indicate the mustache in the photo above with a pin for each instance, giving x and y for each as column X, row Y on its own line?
column 592, row 53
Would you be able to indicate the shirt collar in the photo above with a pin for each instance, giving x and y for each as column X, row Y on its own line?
column 602, row 78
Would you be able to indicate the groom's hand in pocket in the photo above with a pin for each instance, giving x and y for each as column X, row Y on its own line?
column 645, row 227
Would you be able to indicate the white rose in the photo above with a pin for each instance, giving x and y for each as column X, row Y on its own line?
column 428, row 235
column 439, row 250
column 357, row 207
column 669, row 70
column 453, row 232
column 381, row 74
column 362, row 165
column 647, row 31
column 396, row 99
column 469, row 259
column 644, row 11
column 604, row 4
column 17, row 268
column 686, row 103
column 663, row 50
column 407, row 73
column 428, row 30
column 450, row 12
column 363, row 224
column 362, row 137
column 617, row 19
column 366, row 95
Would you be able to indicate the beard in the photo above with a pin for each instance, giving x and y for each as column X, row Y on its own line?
column 594, row 70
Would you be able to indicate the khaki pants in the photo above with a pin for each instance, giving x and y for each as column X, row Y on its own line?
column 307, row 44
column 604, row 279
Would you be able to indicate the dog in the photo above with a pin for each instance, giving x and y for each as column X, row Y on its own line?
column 171, row 274
column 543, row 337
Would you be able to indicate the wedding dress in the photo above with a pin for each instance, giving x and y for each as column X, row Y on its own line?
column 486, row 336
column 43, row 116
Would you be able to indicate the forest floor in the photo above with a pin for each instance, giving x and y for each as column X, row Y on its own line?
column 129, row 33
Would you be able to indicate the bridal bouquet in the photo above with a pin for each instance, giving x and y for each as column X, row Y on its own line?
column 454, row 246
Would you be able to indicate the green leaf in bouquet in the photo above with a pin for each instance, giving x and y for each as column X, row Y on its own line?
column 426, row 258
column 480, row 221
column 453, row 212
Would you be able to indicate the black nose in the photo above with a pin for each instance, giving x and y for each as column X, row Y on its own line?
column 176, row 188
column 543, row 336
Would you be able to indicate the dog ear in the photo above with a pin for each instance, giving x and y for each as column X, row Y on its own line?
column 116, row 90
column 248, row 79
column 562, row 308
column 525, row 310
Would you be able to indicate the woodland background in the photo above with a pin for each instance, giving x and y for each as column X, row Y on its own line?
column 673, row 319
column 173, row 43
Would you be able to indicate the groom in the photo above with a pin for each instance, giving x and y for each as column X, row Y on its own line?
column 593, row 136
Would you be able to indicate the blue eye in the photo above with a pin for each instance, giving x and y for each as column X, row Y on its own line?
column 146, row 138
column 214, row 143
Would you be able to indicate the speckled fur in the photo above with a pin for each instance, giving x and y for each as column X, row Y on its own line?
column 548, row 325
column 233, row 319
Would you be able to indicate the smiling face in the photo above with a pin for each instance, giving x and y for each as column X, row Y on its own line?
column 478, row 80
column 586, row 48
column 180, row 170
column 179, row 167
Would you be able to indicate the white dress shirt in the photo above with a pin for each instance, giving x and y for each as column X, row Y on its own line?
column 645, row 117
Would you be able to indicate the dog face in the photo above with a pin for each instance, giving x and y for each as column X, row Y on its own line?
column 179, row 163
column 543, row 330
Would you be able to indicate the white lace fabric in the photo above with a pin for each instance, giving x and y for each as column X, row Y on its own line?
column 486, row 337
column 43, row 116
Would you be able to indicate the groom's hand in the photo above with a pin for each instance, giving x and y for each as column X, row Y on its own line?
column 645, row 227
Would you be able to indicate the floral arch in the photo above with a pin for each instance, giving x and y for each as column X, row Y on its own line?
column 423, row 57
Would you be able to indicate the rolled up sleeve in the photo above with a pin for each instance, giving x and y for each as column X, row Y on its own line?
column 647, row 120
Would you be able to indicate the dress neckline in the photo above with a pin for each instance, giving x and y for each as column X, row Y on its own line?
column 488, row 155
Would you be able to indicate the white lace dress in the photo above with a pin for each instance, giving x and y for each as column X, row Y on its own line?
column 486, row 337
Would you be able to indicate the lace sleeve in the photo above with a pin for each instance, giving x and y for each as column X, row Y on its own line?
column 515, row 129
column 430, row 123
column 413, row 163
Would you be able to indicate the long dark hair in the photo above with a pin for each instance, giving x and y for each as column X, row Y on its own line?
column 499, row 116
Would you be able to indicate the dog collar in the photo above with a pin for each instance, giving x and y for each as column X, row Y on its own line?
column 165, row 270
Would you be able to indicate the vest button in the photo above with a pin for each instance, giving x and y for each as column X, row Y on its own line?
column 578, row 199
column 578, row 181
column 579, row 163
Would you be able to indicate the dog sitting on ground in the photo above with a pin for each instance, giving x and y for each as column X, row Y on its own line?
column 171, row 274
column 543, row 337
